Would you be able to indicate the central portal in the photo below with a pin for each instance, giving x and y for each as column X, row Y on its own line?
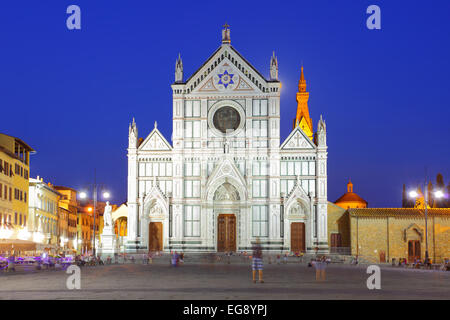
column 155, row 236
column 226, row 232
column 298, row 236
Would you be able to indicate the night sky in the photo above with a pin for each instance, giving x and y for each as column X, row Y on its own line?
column 384, row 94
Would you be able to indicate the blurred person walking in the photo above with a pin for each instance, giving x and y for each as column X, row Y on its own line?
column 257, row 263
column 174, row 259
column 320, row 264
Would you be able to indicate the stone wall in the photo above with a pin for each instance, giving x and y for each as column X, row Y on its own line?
column 373, row 236
column 338, row 222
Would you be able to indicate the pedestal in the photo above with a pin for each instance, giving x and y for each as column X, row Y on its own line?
column 108, row 241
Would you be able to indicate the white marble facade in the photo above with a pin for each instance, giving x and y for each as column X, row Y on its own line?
column 226, row 157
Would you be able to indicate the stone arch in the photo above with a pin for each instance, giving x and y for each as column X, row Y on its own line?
column 298, row 207
column 413, row 232
column 156, row 201
column 226, row 192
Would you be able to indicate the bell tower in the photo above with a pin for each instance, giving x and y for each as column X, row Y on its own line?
column 302, row 118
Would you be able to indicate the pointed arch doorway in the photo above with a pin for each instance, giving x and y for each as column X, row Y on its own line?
column 226, row 197
column 155, row 232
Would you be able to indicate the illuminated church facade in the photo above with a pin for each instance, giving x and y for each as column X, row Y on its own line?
column 227, row 179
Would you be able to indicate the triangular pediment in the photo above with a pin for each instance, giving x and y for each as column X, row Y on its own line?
column 222, row 72
column 155, row 141
column 297, row 140
column 155, row 202
column 297, row 195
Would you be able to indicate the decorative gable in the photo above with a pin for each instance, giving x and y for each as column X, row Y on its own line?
column 226, row 78
column 156, row 203
column 155, row 142
column 226, row 70
column 226, row 172
column 297, row 201
column 297, row 140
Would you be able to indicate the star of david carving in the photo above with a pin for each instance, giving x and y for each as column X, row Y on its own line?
column 226, row 78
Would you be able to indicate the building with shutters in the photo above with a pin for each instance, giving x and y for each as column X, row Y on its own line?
column 14, row 194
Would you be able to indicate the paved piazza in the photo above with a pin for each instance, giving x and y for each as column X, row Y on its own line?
column 223, row 281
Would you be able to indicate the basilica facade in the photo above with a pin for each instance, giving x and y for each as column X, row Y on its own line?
column 227, row 179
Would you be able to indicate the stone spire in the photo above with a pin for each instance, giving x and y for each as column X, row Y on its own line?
column 226, row 34
column 132, row 135
column 302, row 82
column 302, row 118
column 273, row 67
column 179, row 69
column 321, row 134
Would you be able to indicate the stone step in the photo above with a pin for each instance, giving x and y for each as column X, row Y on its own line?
column 165, row 258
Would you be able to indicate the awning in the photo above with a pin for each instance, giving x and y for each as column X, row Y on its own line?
column 16, row 244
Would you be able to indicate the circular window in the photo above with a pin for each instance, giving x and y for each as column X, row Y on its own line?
column 226, row 119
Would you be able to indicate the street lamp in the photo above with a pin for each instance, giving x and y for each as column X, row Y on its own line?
column 84, row 195
column 414, row 194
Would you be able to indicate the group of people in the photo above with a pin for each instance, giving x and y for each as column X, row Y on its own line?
column 417, row 263
column 44, row 260
column 82, row 260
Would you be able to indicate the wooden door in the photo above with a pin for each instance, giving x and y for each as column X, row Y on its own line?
column 413, row 250
column 336, row 242
column 155, row 236
column 382, row 257
column 226, row 232
column 298, row 237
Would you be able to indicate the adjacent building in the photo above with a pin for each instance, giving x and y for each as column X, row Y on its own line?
column 43, row 221
column 63, row 225
column 378, row 235
column 381, row 234
column 119, row 217
column 86, row 223
column 14, row 194
column 350, row 199
column 68, row 205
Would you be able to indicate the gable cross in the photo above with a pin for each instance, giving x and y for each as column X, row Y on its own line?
column 297, row 139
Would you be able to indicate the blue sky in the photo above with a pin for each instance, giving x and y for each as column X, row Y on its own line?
column 384, row 94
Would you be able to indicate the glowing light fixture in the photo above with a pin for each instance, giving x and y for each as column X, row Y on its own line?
column 83, row 195
column 38, row 237
column 23, row 234
column 5, row 233
column 439, row 194
column 413, row 194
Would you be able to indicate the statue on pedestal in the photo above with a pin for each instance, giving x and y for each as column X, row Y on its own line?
column 108, row 238
column 107, row 215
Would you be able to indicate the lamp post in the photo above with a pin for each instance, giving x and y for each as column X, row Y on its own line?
column 414, row 194
column 105, row 194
